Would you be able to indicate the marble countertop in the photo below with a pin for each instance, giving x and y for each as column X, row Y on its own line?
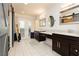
column 69, row 34
column 63, row 33
column 47, row 33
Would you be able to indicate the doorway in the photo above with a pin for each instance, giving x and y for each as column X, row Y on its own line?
column 22, row 28
column 25, row 27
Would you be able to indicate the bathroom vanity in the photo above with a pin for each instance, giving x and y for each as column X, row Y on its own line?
column 41, row 35
column 65, row 44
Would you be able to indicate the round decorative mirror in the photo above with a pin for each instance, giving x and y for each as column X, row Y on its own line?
column 51, row 21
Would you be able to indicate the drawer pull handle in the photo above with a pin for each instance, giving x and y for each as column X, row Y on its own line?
column 59, row 44
column 76, row 50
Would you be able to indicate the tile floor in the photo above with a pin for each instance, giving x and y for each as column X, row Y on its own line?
column 31, row 47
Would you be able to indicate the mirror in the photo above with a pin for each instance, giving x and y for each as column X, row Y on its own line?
column 42, row 22
column 51, row 21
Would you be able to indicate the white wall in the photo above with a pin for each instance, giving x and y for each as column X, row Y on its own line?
column 55, row 11
column 74, row 26
column 52, row 11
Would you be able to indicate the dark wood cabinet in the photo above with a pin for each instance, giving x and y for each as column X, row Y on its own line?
column 32, row 35
column 36, row 35
column 60, row 45
column 48, row 36
column 39, row 36
column 65, row 45
column 56, row 46
column 74, row 48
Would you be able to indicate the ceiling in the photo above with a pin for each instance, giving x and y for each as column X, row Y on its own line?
column 31, row 8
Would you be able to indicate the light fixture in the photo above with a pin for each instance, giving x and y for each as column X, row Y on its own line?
column 25, row 3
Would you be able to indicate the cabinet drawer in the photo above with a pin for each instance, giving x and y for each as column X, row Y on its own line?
column 74, row 50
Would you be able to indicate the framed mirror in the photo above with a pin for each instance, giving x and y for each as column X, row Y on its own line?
column 51, row 21
column 42, row 22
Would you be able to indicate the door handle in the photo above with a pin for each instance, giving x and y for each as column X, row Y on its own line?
column 59, row 44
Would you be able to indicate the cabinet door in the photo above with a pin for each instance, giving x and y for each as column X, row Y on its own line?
column 42, row 37
column 56, row 44
column 61, row 45
column 74, row 50
column 36, row 35
column 64, row 47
